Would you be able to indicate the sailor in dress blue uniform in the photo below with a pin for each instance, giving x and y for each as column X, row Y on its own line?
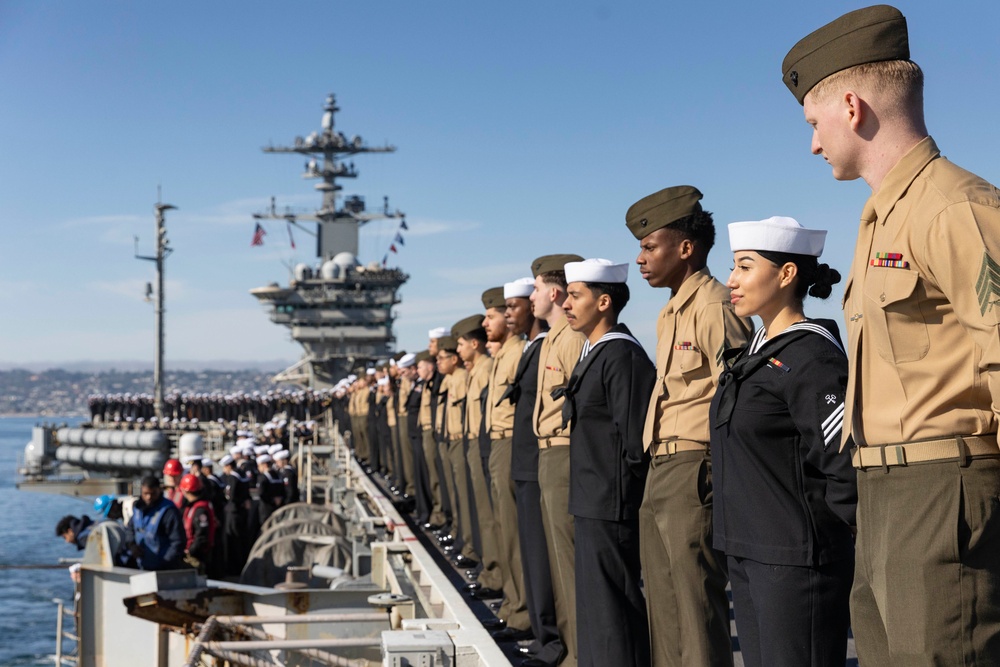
column 606, row 400
column 785, row 495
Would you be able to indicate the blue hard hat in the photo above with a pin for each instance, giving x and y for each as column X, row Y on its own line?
column 102, row 504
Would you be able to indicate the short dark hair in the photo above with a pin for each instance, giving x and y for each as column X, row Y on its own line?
column 557, row 278
column 150, row 482
column 476, row 334
column 618, row 292
column 698, row 227
column 65, row 524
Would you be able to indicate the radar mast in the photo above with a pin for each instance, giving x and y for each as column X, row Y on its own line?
column 340, row 310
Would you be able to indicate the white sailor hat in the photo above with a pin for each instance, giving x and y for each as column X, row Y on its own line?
column 274, row 449
column 189, row 459
column 383, row 381
column 777, row 234
column 370, row 371
column 207, row 463
column 236, row 449
column 596, row 271
column 282, row 455
column 439, row 332
column 259, row 450
column 226, row 460
column 264, row 458
column 407, row 360
column 520, row 288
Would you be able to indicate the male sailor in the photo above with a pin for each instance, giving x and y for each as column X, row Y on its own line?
column 605, row 406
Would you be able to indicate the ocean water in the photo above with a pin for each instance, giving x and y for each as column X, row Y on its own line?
column 27, row 537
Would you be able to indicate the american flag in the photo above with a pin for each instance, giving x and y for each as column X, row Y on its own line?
column 258, row 236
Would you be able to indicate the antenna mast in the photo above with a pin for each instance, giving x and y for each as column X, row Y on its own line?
column 163, row 250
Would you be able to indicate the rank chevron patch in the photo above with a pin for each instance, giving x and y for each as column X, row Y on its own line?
column 988, row 284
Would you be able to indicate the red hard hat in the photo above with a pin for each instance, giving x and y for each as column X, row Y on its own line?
column 191, row 483
column 172, row 467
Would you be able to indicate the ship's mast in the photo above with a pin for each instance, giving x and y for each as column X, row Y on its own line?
column 341, row 310
column 337, row 230
column 163, row 250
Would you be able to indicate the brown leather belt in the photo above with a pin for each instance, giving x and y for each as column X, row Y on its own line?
column 958, row 448
column 671, row 447
column 545, row 443
column 502, row 433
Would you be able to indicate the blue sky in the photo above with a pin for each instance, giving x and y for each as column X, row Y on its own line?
column 523, row 128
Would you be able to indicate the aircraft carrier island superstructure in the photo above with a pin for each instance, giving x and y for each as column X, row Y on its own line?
column 340, row 311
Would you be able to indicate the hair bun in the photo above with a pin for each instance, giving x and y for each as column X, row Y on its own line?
column 826, row 278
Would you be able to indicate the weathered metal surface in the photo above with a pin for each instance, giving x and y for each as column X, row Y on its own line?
column 183, row 609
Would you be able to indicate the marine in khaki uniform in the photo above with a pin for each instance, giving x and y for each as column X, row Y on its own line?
column 419, row 412
column 454, row 387
column 685, row 578
column 472, row 350
column 427, row 371
column 439, row 403
column 404, row 385
column 558, row 356
column 500, row 426
column 362, row 445
column 922, row 305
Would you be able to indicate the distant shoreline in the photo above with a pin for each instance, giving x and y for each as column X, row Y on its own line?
column 20, row 415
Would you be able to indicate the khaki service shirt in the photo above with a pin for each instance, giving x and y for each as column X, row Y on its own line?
column 479, row 377
column 557, row 358
column 694, row 329
column 924, row 327
column 424, row 416
column 405, row 387
column 500, row 418
column 456, row 386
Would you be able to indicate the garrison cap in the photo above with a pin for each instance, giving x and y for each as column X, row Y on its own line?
column 549, row 263
column 493, row 298
column 424, row 355
column 868, row 35
column 661, row 209
column 449, row 343
column 467, row 325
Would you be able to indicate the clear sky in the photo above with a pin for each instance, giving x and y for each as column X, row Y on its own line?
column 523, row 128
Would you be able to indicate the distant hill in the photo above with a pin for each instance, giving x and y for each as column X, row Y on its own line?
column 64, row 391
column 225, row 365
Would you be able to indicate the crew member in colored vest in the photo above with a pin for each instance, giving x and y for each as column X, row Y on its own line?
column 199, row 524
column 154, row 537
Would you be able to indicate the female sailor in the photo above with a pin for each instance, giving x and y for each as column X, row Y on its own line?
column 785, row 490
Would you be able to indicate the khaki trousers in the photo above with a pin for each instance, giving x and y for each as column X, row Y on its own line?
column 491, row 575
column 927, row 574
column 406, row 454
column 361, row 436
column 685, row 578
column 514, row 609
column 553, row 480
column 462, row 507
column 437, row 516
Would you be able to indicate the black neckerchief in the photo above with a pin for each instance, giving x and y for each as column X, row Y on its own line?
column 743, row 367
column 573, row 385
column 513, row 390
